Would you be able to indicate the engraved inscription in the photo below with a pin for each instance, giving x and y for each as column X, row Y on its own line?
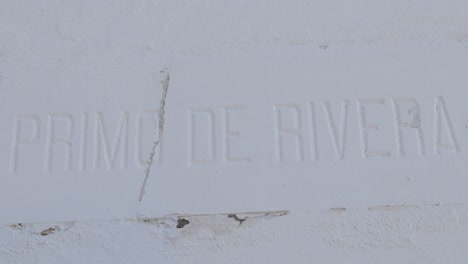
column 365, row 127
column 19, row 140
column 282, row 131
column 230, row 136
column 53, row 140
column 201, row 148
column 442, row 118
column 337, row 135
column 102, row 147
column 413, row 123
column 215, row 136
column 140, row 157
column 313, row 131
column 83, row 142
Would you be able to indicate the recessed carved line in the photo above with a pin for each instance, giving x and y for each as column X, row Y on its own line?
column 441, row 114
column 280, row 131
column 338, row 138
column 53, row 140
column 211, row 141
column 414, row 124
column 84, row 142
column 17, row 140
column 313, row 131
column 365, row 127
column 229, row 133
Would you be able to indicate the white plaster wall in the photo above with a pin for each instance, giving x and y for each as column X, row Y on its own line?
column 230, row 171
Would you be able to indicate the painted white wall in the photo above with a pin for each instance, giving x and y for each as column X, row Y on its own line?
column 233, row 131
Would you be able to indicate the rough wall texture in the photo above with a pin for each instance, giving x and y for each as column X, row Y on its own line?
column 233, row 131
column 401, row 234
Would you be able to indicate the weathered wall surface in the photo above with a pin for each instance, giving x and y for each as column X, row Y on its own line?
column 233, row 131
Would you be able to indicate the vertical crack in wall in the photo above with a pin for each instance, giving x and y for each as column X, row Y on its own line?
column 162, row 105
